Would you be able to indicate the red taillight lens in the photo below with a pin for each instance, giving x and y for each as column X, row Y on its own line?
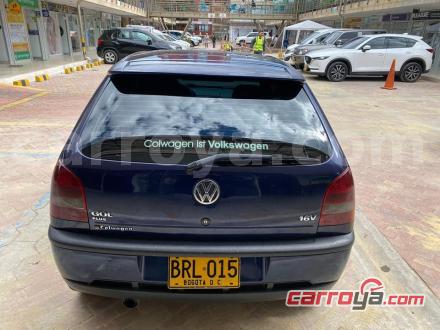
column 100, row 42
column 67, row 199
column 338, row 205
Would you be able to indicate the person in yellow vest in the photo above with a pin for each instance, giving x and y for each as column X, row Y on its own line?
column 259, row 44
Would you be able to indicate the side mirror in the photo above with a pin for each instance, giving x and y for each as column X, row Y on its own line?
column 338, row 43
column 365, row 48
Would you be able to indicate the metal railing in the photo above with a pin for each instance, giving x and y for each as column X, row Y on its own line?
column 225, row 8
column 307, row 6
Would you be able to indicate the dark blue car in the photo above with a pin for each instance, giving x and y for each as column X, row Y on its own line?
column 201, row 175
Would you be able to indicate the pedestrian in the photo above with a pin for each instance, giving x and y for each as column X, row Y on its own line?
column 258, row 44
column 206, row 40
column 213, row 40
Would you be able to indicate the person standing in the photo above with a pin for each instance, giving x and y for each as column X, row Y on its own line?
column 213, row 40
column 206, row 40
column 258, row 44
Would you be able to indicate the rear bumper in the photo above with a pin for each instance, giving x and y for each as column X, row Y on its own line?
column 135, row 268
column 248, row 295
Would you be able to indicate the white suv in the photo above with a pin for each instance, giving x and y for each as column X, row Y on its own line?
column 247, row 39
column 373, row 55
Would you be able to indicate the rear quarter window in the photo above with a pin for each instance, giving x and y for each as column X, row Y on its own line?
column 400, row 42
column 151, row 118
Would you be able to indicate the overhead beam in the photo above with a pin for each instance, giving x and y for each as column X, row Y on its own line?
column 162, row 22
column 187, row 25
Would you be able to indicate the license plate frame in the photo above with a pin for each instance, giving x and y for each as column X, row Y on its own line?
column 201, row 273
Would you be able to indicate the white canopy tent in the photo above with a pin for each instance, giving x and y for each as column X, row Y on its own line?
column 302, row 26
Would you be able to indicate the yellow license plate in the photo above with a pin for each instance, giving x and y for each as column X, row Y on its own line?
column 203, row 272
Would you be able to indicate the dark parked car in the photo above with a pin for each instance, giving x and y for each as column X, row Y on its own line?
column 189, row 171
column 117, row 43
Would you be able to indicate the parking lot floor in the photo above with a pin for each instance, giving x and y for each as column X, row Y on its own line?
column 391, row 139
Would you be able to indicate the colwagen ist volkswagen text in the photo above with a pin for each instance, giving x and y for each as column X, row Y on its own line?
column 201, row 175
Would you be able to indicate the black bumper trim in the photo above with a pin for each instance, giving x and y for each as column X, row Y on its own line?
column 248, row 296
column 92, row 242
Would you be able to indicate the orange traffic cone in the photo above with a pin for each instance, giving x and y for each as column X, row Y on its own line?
column 389, row 83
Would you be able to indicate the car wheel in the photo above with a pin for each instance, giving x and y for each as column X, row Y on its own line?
column 337, row 71
column 192, row 43
column 110, row 56
column 411, row 72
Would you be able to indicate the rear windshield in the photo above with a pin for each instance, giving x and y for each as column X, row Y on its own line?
column 179, row 119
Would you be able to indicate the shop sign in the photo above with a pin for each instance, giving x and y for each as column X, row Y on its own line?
column 425, row 15
column 44, row 12
column 395, row 17
column 17, row 31
column 353, row 22
column 28, row 3
column 59, row 8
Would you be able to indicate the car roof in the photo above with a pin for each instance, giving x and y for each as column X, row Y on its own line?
column 209, row 63
column 394, row 35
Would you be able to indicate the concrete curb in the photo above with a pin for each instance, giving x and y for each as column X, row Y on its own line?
column 42, row 77
column 21, row 82
column 53, row 71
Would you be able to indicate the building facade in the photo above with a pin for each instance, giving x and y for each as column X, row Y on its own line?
column 37, row 30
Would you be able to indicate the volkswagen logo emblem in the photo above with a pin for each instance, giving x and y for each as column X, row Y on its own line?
column 206, row 192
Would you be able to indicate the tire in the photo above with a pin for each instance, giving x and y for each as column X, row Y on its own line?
column 192, row 43
column 410, row 72
column 110, row 56
column 337, row 71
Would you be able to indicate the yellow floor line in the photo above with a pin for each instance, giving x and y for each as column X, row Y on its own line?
column 22, row 151
column 32, row 124
column 23, row 87
column 23, row 100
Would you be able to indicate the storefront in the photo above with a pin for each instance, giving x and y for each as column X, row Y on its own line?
column 109, row 21
column 17, row 19
column 92, row 22
column 4, row 56
column 62, row 29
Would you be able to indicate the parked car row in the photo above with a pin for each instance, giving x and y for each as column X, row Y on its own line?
column 346, row 52
column 116, row 43
column 247, row 39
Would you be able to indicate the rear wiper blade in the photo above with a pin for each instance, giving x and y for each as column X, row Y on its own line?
column 248, row 160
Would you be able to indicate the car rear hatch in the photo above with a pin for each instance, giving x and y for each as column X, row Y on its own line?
column 133, row 153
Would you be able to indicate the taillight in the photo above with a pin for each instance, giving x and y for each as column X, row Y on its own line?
column 338, row 205
column 100, row 42
column 67, row 199
column 431, row 50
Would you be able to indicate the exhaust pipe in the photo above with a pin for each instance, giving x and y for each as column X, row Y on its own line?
column 130, row 303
